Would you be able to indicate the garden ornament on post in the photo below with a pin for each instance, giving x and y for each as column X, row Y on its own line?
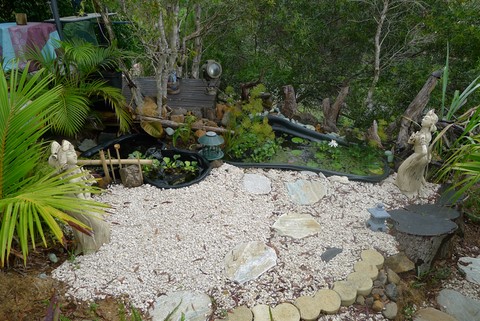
column 64, row 158
column 411, row 173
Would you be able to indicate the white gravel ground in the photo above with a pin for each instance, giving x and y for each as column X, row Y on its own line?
column 176, row 239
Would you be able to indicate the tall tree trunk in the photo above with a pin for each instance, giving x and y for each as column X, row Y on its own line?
column 134, row 87
column 378, row 49
column 198, row 46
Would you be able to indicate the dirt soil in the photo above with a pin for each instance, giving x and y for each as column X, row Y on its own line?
column 26, row 292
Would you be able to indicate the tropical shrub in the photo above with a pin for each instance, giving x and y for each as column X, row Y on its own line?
column 78, row 68
column 253, row 135
column 34, row 204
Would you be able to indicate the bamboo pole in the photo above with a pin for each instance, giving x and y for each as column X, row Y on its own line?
column 117, row 148
column 128, row 161
column 104, row 165
column 170, row 123
column 111, row 165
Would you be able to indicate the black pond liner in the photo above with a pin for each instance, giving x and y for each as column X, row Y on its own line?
column 128, row 144
column 185, row 155
column 285, row 126
column 142, row 142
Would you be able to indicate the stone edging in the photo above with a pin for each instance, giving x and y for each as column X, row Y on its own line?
column 368, row 275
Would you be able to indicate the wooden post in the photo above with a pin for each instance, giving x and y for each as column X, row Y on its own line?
column 105, row 167
column 415, row 109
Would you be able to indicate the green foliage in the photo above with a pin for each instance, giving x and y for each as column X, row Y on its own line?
column 464, row 165
column 184, row 131
column 170, row 165
column 146, row 168
column 81, row 85
column 253, row 136
column 33, row 204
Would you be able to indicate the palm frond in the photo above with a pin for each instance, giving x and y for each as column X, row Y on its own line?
column 33, row 202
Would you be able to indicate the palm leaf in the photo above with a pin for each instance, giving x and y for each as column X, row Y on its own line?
column 33, row 202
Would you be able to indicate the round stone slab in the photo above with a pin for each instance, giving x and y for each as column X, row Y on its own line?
column 285, row 312
column 308, row 307
column 363, row 282
column 434, row 210
column 296, row 225
column 261, row 312
column 413, row 223
column 373, row 257
column 247, row 261
column 328, row 300
column 256, row 184
column 367, row 268
column 347, row 292
column 241, row 313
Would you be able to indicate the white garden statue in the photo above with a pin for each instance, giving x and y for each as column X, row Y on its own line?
column 64, row 158
column 411, row 173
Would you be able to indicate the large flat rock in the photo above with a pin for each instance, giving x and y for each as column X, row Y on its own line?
column 247, row 261
column 194, row 307
column 471, row 267
column 296, row 225
column 459, row 306
column 305, row 192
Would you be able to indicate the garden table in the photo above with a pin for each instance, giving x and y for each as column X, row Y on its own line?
column 15, row 40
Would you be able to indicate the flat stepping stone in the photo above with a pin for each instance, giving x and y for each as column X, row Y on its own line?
column 328, row 301
column 347, row 292
column 257, row 184
column 431, row 314
column 261, row 312
column 304, row 192
column 367, row 268
column 330, row 253
column 362, row 281
column 296, row 225
column 285, row 312
column 373, row 257
column 308, row 307
column 194, row 306
column 471, row 267
column 247, row 261
column 241, row 313
column 458, row 305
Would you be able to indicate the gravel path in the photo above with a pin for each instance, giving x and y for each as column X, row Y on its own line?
column 176, row 239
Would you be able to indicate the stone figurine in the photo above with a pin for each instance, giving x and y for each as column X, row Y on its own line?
column 411, row 173
column 64, row 158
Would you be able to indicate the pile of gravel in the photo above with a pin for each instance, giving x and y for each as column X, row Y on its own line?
column 167, row 240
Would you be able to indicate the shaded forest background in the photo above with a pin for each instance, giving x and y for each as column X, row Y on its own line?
column 384, row 50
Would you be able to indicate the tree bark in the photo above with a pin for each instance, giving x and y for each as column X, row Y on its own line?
column 198, row 46
column 289, row 108
column 414, row 110
column 378, row 48
column 245, row 88
column 331, row 113
column 134, row 87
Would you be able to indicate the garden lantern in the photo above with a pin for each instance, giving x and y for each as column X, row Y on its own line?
column 211, row 146
column 378, row 217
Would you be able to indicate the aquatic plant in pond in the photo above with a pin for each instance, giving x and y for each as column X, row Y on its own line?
column 357, row 159
column 172, row 169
